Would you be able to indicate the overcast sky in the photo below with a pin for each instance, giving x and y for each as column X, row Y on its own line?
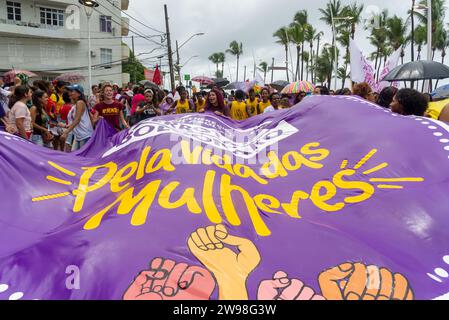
column 248, row 21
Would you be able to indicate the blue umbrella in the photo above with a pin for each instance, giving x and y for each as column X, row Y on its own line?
column 441, row 92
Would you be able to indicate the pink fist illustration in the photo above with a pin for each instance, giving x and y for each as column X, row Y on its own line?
column 281, row 287
column 168, row 280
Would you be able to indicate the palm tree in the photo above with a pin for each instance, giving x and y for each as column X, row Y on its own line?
column 378, row 38
column 263, row 66
column 301, row 18
column 236, row 49
column 354, row 11
column 396, row 30
column 333, row 10
column 222, row 60
column 306, row 58
column 318, row 38
column 296, row 36
column 215, row 59
column 219, row 74
column 310, row 36
column 283, row 39
column 438, row 17
column 324, row 65
column 420, row 38
column 343, row 39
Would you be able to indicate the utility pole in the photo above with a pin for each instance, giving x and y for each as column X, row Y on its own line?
column 134, row 79
column 413, row 36
column 178, row 66
column 170, row 53
column 272, row 71
column 244, row 75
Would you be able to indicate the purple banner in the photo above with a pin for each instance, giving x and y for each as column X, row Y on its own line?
column 335, row 198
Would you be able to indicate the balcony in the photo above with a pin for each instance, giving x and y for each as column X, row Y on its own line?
column 38, row 30
column 125, row 5
column 125, row 26
column 125, row 52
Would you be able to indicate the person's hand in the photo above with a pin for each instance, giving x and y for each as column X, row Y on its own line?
column 48, row 136
column 230, row 269
column 218, row 113
column 281, row 287
column 168, row 280
column 201, row 110
column 10, row 129
column 64, row 136
column 62, row 125
column 357, row 281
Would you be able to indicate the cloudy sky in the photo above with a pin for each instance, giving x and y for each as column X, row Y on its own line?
column 248, row 21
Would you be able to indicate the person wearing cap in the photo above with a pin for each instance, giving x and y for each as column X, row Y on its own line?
column 110, row 110
column 149, row 108
column 79, row 119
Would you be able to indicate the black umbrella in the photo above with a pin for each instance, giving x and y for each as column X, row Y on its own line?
column 279, row 85
column 219, row 83
column 418, row 70
column 149, row 84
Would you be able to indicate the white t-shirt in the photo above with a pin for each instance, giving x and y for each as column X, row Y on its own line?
column 84, row 129
column 269, row 109
column 19, row 111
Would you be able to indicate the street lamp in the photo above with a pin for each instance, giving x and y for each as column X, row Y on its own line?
column 89, row 6
column 334, row 35
column 178, row 67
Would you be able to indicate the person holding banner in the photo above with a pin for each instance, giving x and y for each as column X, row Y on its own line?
column 239, row 109
column 265, row 102
column 20, row 116
column 215, row 103
column 409, row 102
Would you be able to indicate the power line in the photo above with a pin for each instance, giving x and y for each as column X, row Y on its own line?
column 138, row 33
column 145, row 25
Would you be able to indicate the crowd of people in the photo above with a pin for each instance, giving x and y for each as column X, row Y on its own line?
column 59, row 115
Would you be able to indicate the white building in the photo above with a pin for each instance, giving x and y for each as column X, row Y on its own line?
column 50, row 37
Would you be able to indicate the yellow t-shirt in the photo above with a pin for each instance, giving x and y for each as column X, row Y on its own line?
column 263, row 105
column 252, row 106
column 199, row 106
column 435, row 108
column 59, row 102
column 238, row 110
column 182, row 107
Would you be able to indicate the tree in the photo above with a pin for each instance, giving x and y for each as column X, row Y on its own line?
column 310, row 36
column 222, row 60
column 323, row 66
column 420, row 38
column 236, row 49
column 378, row 38
column 344, row 40
column 301, row 18
column 135, row 69
column 396, row 34
column 332, row 10
column 263, row 66
column 296, row 36
column 282, row 38
column 354, row 11
column 318, row 38
column 215, row 59
column 306, row 58
column 219, row 74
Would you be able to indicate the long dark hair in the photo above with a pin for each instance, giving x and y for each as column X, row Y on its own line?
column 37, row 95
column 19, row 93
column 220, row 101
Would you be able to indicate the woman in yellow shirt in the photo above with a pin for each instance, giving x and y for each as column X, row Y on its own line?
column 265, row 101
column 239, row 109
column 438, row 110
column 252, row 103
column 56, row 97
column 183, row 105
column 200, row 102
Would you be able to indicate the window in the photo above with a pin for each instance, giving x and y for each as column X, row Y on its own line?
column 16, row 51
column 52, row 17
column 14, row 11
column 106, row 57
column 52, row 54
column 105, row 24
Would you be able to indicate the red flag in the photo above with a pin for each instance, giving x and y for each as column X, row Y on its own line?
column 157, row 76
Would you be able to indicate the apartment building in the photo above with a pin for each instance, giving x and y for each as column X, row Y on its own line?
column 50, row 37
